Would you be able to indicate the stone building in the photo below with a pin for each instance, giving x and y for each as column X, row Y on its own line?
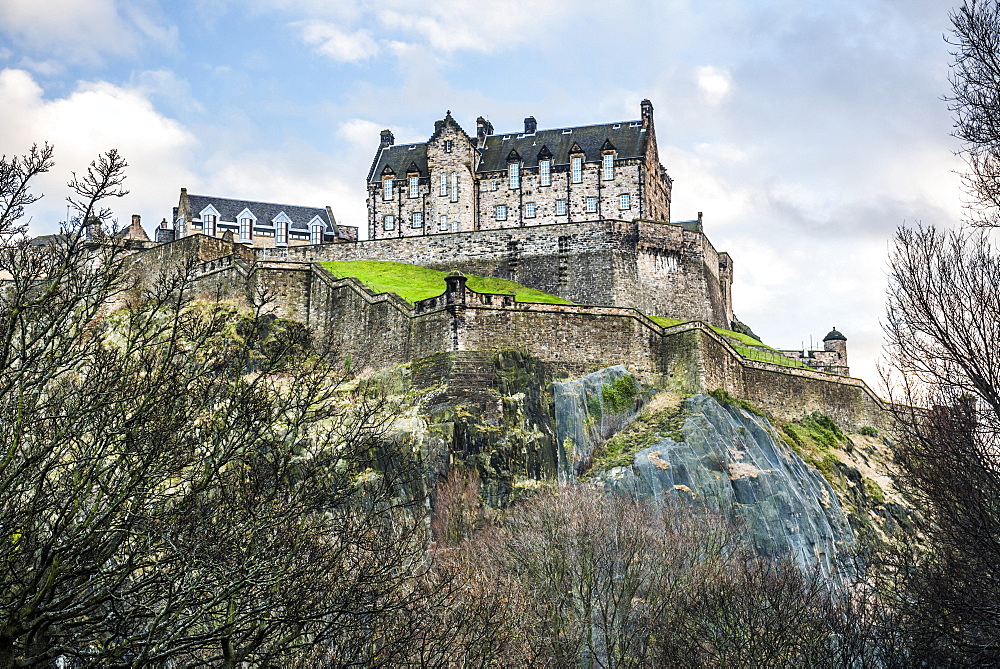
column 832, row 358
column 456, row 183
column 256, row 224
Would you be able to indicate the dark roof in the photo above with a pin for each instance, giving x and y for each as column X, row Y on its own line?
column 398, row 158
column 628, row 139
column 264, row 211
column 834, row 335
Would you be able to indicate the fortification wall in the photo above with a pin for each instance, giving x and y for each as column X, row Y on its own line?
column 655, row 268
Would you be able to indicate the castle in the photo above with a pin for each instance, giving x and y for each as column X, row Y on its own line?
column 581, row 213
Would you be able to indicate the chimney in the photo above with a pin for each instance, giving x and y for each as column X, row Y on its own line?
column 387, row 138
column 530, row 125
column 647, row 113
column 483, row 130
column 135, row 220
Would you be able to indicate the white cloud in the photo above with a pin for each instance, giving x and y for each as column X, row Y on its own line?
column 342, row 46
column 714, row 83
column 81, row 29
column 93, row 118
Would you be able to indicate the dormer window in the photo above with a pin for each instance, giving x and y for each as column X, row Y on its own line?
column 387, row 187
column 414, row 182
column 545, row 172
column 514, row 175
column 281, row 232
column 608, row 165
column 448, row 144
column 576, row 168
column 316, row 234
column 246, row 221
column 208, row 222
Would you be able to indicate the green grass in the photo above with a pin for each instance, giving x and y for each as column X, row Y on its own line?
column 770, row 355
column 413, row 283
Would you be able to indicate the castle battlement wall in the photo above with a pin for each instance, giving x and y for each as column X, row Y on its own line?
column 656, row 268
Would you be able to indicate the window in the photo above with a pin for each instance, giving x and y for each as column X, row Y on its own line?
column 501, row 212
column 417, row 220
column 529, row 209
column 560, row 207
column 484, row 186
column 514, row 175
column 448, row 145
column 494, row 185
column 591, row 205
column 609, row 166
column 208, row 224
column 389, row 222
column 454, row 186
column 624, row 201
column 316, row 234
column 387, row 188
column 444, row 184
column 414, row 186
column 545, row 173
column 281, row 233
column 444, row 222
column 577, row 168
column 246, row 229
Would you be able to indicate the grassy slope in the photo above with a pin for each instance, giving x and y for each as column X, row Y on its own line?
column 770, row 355
column 413, row 283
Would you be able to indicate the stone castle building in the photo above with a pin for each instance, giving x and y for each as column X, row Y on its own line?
column 255, row 224
column 456, row 183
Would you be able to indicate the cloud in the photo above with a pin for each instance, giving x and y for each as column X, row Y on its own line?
column 93, row 118
column 341, row 46
column 714, row 83
column 81, row 29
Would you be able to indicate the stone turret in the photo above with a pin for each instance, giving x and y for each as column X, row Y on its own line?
column 835, row 341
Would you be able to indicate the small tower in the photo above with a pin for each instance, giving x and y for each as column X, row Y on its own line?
column 835, row 341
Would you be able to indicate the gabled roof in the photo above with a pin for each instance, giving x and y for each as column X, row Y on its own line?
column 398, row 159
column 265, row 212
column 627, row 137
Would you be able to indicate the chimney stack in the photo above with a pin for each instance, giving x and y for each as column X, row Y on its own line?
column 135, row 220
column 530, row 125
column 647, row 113
column 387, row 138
column 483, row 130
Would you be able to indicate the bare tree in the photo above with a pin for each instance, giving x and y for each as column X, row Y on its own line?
column 185, row 481
column 943, row 326
column 975, row 103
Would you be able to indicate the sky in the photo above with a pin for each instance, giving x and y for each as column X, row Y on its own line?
column 806, row 131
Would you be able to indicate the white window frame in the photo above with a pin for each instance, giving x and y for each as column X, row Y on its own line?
column 591, row 205
column 545, row 172
column 514, row 174
column 443, row 222
column 246, row 220
column 561, row 207
column 444, row 183
column 315, row 234
column 530, row 210
column 386, row 188
column 454, row 186
column 414, row 187
column 417, row 219
column 207, row 214
column 576, row 167
column 501, row 212
column 281, row 224
column 609, row 166
column 388, row 222
column 448, row 145
column 625, row 201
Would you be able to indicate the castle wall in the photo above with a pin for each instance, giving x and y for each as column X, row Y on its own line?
column 663, row 270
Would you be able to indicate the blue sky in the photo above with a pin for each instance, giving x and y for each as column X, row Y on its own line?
column 806, row 131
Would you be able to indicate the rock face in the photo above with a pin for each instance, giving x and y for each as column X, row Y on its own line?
column 735, row 462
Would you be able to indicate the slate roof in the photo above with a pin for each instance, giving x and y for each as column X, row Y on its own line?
column 264, row 211
column 627, row 137
column 399, row 158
